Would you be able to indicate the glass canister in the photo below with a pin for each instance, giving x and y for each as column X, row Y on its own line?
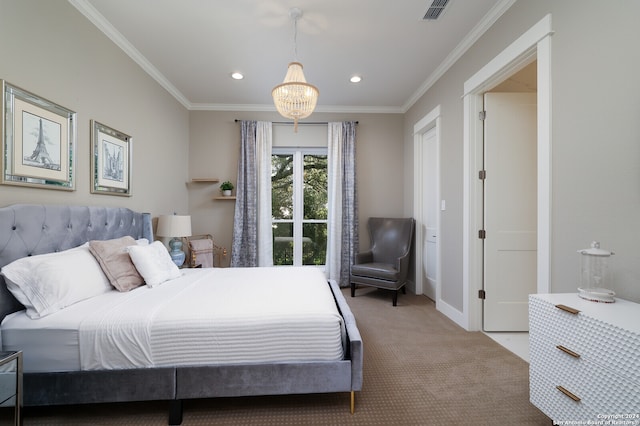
column 595, row 274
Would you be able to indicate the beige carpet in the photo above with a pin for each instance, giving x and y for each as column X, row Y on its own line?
column 419, row 369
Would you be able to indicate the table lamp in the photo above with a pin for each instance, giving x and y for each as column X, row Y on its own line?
column 177, row 227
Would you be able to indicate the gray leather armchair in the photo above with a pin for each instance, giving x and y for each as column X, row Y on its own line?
column 386, row 264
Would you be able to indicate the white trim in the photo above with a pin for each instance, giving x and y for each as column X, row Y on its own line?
column 320, row 108
column 535, row 43
column 453, row 314
column 481, row 27
column 231, row 107
column 428, row 122
column 544, row 167
column 515, row 56
column 95, row 17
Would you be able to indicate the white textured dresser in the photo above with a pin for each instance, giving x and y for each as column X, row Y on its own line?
column 584, row 359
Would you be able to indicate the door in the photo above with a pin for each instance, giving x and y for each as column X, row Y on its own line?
column 510, row 209
column 430, row 213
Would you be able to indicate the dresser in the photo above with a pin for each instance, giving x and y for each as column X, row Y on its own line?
column 584, row 359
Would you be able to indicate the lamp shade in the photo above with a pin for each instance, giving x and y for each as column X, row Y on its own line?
column 174, row 226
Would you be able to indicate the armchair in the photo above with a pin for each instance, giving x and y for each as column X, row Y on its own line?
column 386, row 264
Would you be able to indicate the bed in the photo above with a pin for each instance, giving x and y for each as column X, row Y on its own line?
column 75, row 377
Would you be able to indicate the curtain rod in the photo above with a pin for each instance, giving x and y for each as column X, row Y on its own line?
column 299, row 122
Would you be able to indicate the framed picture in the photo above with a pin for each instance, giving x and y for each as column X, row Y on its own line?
column 38, row 141
column 110, row 161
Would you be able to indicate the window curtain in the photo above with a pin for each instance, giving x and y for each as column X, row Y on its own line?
column 252, row 217
column 264, row 137
column 342, row 233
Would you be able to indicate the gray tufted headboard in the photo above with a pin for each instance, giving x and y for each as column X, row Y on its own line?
column 30, row 229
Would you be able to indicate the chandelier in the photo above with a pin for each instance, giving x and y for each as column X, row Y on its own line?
column 294, row 98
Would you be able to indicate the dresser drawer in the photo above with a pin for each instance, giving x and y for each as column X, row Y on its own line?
column 602, row 343
column 597, row 387
column 555, row 404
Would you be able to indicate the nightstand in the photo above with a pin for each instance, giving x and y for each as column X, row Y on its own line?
column 10, row 388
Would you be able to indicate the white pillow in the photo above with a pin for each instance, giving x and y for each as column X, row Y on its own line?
column 46, row 283
column 154, row 263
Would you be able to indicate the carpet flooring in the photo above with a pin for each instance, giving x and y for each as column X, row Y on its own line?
column 420, row 368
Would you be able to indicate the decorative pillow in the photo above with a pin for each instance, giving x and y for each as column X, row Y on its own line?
column 201, row 253
column 47, row 283
column 113, row 257
column 154, row 263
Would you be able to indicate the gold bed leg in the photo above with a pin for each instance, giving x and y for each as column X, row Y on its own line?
column 353, row 402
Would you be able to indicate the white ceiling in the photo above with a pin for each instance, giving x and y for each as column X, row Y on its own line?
column 192, row 46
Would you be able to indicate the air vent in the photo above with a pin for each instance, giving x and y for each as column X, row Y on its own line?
column 435, row 10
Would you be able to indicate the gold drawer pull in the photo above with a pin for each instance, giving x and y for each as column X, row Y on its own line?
column 569, row 394
column 568, row 309
column 568, row 351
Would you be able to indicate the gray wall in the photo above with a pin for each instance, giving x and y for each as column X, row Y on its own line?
column 595, row 137
column 50, row 49
column 215, row 146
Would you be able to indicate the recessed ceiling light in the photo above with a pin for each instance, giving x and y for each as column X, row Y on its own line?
column 237, row 76
column 355, row 79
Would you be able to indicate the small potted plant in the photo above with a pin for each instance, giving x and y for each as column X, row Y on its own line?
column 226, row 187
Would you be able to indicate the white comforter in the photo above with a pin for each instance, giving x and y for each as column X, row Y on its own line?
column 217, row 316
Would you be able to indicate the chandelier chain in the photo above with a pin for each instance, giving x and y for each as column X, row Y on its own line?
column 295, row 38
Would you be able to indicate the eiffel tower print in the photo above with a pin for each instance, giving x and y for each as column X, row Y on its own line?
column 40, row 156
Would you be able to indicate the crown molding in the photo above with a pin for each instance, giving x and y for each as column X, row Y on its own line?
column 319, row 108
column 359, row 109
column 97, row 19
column 485, row 23
column 232, row 107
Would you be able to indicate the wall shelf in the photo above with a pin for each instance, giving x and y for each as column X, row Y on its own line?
column 205, row 180
column 231, row 197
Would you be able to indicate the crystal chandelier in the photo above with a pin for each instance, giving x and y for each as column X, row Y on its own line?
column 294, row 98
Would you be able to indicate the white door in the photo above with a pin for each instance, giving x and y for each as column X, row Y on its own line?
column 510, row 206
column 430, row 213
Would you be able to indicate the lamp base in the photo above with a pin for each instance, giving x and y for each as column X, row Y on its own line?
column 176, row 253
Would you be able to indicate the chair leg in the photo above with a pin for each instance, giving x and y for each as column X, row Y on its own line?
column 353, row 290
column 395, row 297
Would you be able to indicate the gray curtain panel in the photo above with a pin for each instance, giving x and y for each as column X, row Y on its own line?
column 350, row 240
column 244, row 248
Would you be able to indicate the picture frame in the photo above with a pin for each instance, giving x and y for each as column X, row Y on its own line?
column 38, row 141
column 111, row 154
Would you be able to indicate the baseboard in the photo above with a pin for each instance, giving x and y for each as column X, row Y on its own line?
column 452, row 313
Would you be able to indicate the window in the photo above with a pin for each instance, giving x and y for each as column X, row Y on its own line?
column 299, row 206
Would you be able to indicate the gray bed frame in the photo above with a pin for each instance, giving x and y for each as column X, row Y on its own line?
column 29, row 229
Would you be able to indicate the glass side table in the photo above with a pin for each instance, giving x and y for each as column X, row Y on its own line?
column 10, row 388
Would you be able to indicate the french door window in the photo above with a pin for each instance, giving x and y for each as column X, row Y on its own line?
column 299, row 206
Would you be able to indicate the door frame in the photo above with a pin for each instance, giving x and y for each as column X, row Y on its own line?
column 425, row 124
column 534, row 44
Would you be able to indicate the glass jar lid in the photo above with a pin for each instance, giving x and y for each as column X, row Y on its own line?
column 595, row 250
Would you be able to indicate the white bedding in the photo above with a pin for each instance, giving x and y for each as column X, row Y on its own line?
column 207, row 316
